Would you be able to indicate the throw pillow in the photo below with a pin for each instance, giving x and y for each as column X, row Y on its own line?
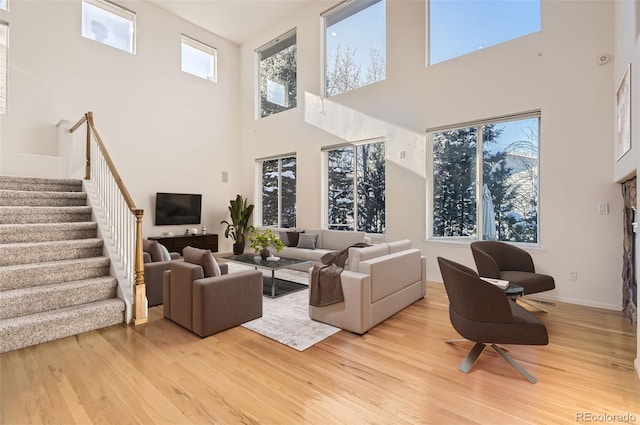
column 283, row 237
column 153, row 248
column 203, row 258
column 307, row 241
column 165, row 253
column 292, row 238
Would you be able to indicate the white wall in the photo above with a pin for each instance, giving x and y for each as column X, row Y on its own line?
column 166, row 130
column 555, row 70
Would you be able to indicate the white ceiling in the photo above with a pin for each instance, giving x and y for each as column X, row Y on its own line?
column 235, row 20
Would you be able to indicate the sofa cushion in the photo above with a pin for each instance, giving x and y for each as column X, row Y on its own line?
column 356, row 255
column 283, row 237
column 203, row 258
column 340, row 239
column 400, row 245
column 153, row 248
column 307, row 241
column 314, row 255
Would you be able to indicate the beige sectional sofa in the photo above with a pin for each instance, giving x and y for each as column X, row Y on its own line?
column 327, row 241
column 378, row 281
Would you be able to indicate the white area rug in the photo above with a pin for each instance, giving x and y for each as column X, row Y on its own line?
column 286, row 319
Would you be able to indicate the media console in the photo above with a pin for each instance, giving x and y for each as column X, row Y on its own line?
column 178, row 243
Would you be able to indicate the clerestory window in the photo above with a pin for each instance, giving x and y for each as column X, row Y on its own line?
column 198, row 59
column 4, row 39
column 109, row 24
column 460, row 27
column 355, row 45
column 277, row 75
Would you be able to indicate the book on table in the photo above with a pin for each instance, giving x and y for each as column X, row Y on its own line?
column 500, row 283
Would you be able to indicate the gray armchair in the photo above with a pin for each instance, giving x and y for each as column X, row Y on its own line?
column 500, row 260
column 196, row 297
column 155, row 264
column 482, row 313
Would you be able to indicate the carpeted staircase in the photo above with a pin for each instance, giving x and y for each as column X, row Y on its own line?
column 54, row 279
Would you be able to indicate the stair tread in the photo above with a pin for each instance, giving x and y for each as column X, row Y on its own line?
column 74, row 243
column 26, row 209
column 73, row 225
column 45, row 180
column 12, row 293
column 11, row 193
column 45, row 316
column 45, row 264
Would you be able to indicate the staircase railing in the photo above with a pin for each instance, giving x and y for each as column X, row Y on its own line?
column 123, row 219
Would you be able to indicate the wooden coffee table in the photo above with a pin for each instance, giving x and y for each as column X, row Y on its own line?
column 274, row 287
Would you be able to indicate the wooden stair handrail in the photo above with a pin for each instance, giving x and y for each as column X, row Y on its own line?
column 140, row 315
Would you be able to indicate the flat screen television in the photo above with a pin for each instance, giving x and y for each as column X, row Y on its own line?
column 178, row 208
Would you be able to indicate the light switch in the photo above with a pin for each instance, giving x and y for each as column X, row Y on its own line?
column 603, row 208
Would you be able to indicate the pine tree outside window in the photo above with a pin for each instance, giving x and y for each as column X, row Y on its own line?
column 278, row 75
column 485, row 180
column 356, row 187
column 278, row 191
column 109, row 24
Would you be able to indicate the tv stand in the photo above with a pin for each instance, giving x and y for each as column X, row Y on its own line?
column 178, row 243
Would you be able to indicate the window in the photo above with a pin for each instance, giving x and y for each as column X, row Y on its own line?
column 199, row 59
column 460, row 27
column 485, row 180
column 277, row 75
column 4, row 4
column 355, row 45
column 4, row 38
column 356, row 187
column 109, row 24
column 278, row 185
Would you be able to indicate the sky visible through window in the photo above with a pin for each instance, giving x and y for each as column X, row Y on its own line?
column 458, row 27
column 360, row 32
column 197, row 62
column 108, row 28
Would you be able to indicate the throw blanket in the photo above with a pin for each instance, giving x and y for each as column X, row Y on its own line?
column 325, row 287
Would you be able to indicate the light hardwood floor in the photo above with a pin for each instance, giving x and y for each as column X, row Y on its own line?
column 400, row 372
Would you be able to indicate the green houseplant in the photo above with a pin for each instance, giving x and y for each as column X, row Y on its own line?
column 262, row 240
column 240, row 211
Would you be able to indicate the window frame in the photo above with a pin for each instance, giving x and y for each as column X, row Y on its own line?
column 114, row 9
column 537, row 113
column 267, row 50
column 203, row 48
column 325, row 183
column 259, row 187
column 338, row 13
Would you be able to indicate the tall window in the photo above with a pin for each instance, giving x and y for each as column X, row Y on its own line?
column 4, row 38
column 278, row 191
column 356, row 187
column 460, row 27
column 4, row 4
column 109, row 24
column 199, row 59
column 485, row 180
column 278, row 74
column 355, row 45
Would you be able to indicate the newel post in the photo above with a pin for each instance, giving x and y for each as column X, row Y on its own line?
column 140, row 314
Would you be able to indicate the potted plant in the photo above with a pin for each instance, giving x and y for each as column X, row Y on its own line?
column 240, row 211
column 261, row 241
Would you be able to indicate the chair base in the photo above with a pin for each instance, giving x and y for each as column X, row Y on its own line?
column 477, row 349
column 528, row 301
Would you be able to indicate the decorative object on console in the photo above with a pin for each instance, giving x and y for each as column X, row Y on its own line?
column 262, row 240
column 240, row 212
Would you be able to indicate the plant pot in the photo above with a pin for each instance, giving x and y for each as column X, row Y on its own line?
column 265, row 253
column 238, row 248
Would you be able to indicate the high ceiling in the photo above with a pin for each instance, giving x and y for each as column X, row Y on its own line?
column 235, row 20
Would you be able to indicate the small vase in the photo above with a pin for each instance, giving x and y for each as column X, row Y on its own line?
column 265, row 253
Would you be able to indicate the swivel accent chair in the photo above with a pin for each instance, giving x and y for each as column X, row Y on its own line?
column 482, row 313
column 500, row 260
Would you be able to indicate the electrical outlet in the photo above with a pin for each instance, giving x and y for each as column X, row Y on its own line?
column 572, row 275
column 603, row 207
